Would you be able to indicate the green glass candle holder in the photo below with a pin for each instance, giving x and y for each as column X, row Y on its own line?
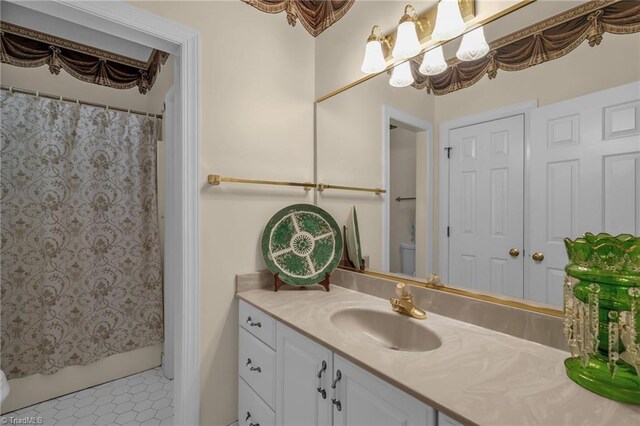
column 602, row 314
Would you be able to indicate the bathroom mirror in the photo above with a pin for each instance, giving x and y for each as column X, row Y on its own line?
column 484, row 183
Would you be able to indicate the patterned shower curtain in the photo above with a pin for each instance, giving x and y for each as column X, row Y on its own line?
column 80, row 262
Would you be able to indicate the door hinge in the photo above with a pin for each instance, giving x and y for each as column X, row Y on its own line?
column 448, row 232
column 448, row 149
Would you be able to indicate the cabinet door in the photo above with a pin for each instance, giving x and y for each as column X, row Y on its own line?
column 364, row 400
column 299, row 363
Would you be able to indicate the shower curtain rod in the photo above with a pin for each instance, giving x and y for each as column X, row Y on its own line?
column 78, row 101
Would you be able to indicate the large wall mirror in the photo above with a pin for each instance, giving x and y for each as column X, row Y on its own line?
column 484, row 183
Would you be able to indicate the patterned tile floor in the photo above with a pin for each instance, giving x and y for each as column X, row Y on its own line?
column 141, row 399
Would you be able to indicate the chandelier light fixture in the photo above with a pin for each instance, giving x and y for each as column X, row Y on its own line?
column 473, row 46
column 374, row 61
column 433, row 62
column 407, row 44
column 449, row 23
column 401, row 75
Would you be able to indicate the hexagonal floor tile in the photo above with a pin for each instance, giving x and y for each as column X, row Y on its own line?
column 143, row 398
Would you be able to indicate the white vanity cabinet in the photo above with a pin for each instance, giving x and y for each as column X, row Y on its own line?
column 310, row 385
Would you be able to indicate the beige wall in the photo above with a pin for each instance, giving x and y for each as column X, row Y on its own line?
column 256, row 94
column 402, row 183
column 36, row 388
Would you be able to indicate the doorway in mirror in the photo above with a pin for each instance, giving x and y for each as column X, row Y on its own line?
column 408, row 167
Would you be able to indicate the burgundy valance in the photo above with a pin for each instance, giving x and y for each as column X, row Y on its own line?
column 27, row 48
column 545, row 41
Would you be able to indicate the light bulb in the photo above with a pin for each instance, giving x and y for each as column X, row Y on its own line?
column 373, row 58
column 473, row 46
column 401, row 75
column 449, row 23
column 407, row 43
column 433, row 62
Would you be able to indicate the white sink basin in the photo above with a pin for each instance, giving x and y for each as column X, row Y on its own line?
column 389, row 330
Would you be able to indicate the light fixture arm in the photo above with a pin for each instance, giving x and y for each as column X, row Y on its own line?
column 411, row 15
column 377, row 35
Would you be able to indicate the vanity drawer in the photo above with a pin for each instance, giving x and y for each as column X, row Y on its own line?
column 257, row 366
column 251, row 409
column 258, row 323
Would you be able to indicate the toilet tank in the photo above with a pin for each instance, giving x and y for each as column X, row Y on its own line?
column 408, row 258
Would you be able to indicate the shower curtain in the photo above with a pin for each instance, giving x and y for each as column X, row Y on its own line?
column 80, row 262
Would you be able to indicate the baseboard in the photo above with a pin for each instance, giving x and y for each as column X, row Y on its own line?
column 34, row 389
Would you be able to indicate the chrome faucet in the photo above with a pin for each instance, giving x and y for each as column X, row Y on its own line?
column 404, row 303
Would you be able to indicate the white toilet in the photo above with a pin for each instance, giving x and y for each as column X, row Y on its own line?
column 4, row 387
column 408, row 258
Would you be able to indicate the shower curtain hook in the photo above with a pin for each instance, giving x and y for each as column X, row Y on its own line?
column 37, row 94
column 11, row 89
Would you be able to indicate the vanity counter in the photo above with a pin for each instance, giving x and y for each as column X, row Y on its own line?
column 476, row 376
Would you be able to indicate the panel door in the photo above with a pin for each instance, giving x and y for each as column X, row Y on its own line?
column 486, row 176
column 304, row 372
column 364, row 400
column 585, row 177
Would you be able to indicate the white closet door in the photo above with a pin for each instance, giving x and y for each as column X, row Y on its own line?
column 486, row 175
column 584, row 177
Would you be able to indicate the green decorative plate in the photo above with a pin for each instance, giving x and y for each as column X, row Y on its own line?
column 302, row 243
column 354, row 249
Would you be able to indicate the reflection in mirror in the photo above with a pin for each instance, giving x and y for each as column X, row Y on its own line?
column 484, row 183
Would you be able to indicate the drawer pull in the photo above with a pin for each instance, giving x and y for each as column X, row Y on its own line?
column 337, row 404
column 258, row 369
column 335, row 400
column 253, row 324
column 319, row 388
column 338, row 377
column 248, row 417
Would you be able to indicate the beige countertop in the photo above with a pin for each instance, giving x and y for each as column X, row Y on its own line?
column 477, row 375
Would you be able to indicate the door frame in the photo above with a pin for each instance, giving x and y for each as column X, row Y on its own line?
column 182, row 174
column 388, row 114
column 524, row 109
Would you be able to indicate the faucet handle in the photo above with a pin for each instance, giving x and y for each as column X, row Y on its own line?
column 403, row 291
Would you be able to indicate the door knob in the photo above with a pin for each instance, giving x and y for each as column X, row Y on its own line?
column 538, row 256
column 514, row 252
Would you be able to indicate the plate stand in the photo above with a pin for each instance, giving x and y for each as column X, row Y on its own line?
column 324, row 283
column 346, row 253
